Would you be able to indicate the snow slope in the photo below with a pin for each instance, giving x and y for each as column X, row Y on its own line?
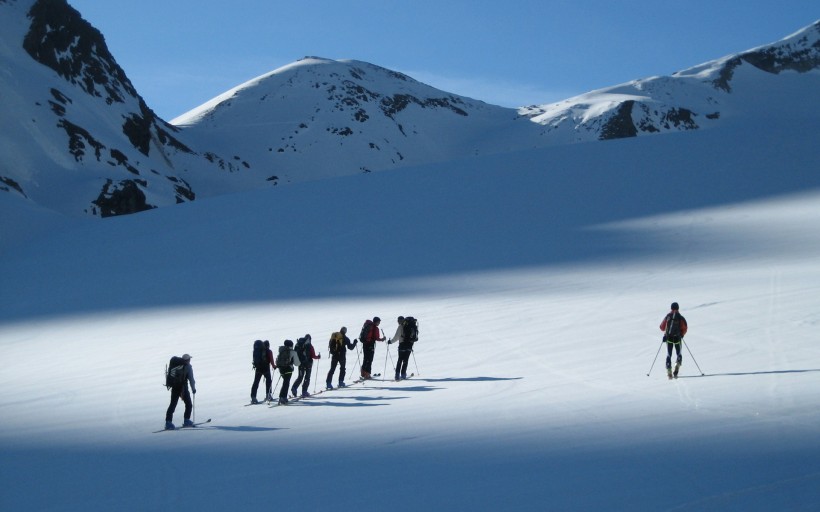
column 539, row 278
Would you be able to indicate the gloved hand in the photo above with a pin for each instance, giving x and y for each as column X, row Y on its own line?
column 193, row 391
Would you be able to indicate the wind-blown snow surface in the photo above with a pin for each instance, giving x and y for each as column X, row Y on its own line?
column 540, row 279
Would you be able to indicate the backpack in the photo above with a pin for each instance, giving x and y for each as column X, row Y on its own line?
column 673, row 327
column 410, row 329
column 302, row 352
column 336, row 343
column 283, row 359
column 260, row 355
column 367, row 328
column 175, row 372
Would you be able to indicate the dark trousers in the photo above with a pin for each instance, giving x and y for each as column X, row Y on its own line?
column 404, row 359
column 176, row 392
column 283, row 393
column 368, row 351
column 669, row 345
column 259, row 374
column 303, row 378
column 340, row 360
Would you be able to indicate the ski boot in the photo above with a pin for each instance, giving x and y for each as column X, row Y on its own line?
column 169, row 426
column 254, row 400
column 283, row 400
column 342, row 384
column 328, row 386
column 268, row 398
column 305, row 394
column 669, row 373
column 677, row 369
column 187, row 424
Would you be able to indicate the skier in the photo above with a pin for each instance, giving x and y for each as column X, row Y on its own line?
column 674, row 327
column 336, row 347
column 286, row 361
column 306, row 354
column 181, row 390
column 369, row 337
column 263, row 371
column 405, row 349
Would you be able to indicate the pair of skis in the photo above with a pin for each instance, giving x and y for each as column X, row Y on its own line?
column 317, row 393
column 194, row 427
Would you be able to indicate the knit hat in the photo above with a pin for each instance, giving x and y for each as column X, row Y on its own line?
column 675, row 306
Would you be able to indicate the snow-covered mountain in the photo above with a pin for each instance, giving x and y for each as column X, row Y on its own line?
column 78, row 139
column 695, row 98
column 318, row 118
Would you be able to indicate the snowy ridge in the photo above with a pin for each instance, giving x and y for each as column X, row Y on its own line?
column 687, row 100
column 319, row 118
column 78, row 139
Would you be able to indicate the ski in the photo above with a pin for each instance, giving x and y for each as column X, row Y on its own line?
column 194, row 427
column 262, row 402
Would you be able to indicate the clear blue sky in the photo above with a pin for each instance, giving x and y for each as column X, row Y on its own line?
column 181, row 53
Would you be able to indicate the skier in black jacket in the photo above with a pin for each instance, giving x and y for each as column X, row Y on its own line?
column 336, row 347
column 181, row 390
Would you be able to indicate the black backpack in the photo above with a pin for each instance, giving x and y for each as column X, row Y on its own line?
column 175, row 372
column 410, row 329
column 260, row 355
column 301, row 349
column 673, row 331
column 364, row 336
column 283, row 360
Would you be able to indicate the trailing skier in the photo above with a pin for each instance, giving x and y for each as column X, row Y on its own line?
column 338, row 355
column 674, row 328
column 407, row 333
column 306, row 354
column 179, row 374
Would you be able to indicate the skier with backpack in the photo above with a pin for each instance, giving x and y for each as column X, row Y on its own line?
column 286, row 361
column 369, row 336
column 407, row 333
column 306, row 354
column 179, row 374
column 262, row 363
column 338, row 355
column 674, row 328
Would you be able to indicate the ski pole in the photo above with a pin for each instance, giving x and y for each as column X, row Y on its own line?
column 316, row 380
column 193, row 408
column 693, row 357
column 656, row 358
column 414, row 362
column 276, row 386
column 385, row 361
column 357, row 360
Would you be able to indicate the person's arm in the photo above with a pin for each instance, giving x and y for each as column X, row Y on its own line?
column 191, row 379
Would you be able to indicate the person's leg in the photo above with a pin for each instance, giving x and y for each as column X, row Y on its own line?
column 169, row 414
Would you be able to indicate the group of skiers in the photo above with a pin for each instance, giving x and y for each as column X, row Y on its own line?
column 301, row 356
column 298, row 358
